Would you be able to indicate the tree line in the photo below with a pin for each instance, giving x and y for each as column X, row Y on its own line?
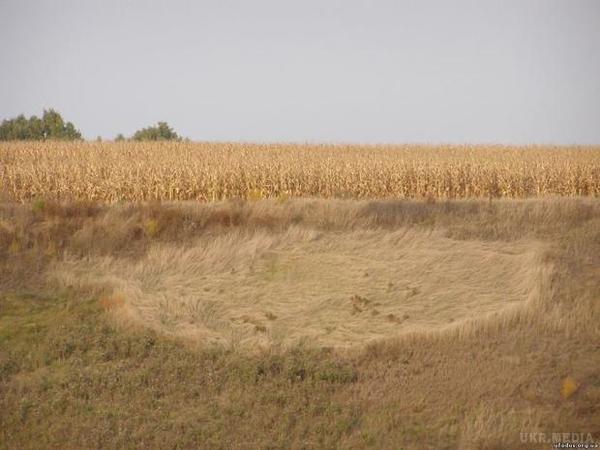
column 51, row 126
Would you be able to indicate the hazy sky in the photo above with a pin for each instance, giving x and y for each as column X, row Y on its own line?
column 511, row 71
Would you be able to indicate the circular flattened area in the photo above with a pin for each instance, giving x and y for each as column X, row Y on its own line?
column 334, row 289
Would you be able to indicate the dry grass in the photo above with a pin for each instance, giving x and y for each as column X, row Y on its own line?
column 112, row 172
column 333, row 289
column 74, row 376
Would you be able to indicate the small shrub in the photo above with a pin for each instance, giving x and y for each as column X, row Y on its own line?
column 152, row 228
column 568, row 387
column 38, row 206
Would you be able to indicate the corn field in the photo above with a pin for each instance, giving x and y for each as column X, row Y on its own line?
column 112, row 172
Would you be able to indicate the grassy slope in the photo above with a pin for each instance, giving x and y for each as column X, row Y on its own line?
column 70, row 378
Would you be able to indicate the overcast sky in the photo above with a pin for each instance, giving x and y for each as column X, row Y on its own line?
column 511, row 71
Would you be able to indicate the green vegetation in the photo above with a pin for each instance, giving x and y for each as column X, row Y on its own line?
column 70, row 377
column 161, row 132
column 50, row 126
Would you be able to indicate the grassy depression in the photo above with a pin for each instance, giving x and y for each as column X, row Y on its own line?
column 327, row 288
column 298, row 324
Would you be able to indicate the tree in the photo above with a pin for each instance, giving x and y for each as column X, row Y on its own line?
column 36, row 127
column 50, row 126
column 161, row 132
column 16, row 129
column 55, row 127
column 119, row 138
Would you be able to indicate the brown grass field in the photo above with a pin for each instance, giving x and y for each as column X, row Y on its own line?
column 328, row 297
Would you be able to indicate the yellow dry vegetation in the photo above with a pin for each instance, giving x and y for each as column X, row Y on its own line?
column 112, row 172
column 257, row 289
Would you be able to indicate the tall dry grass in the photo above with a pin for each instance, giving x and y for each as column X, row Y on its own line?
column 111, row 172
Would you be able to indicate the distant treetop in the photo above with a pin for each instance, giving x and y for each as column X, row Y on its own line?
column 160, row 132
column 50, row 126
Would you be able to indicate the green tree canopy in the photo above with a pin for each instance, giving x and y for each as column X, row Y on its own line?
column 161, row 132
column 50, row 126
